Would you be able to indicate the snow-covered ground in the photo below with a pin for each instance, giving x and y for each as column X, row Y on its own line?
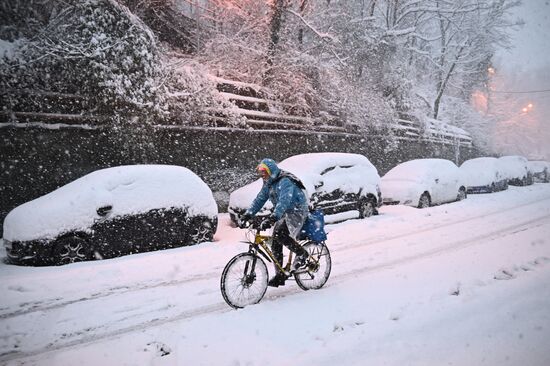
column 466, row 283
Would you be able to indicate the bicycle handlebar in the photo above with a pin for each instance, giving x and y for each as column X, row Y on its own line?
column 257, row 223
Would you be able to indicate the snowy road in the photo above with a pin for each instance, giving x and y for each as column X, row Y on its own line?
column 443, row 265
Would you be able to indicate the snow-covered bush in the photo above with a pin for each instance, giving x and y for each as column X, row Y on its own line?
column 193, row 97
column 93, row 47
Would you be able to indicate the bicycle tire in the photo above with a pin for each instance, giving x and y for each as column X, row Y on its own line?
column 241, row 287
column 317, row 271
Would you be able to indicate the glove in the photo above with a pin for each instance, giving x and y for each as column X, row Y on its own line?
column 268, row 222
column 245, row 219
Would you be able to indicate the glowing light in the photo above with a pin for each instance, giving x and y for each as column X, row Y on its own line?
column 530, row 105
column 479, row 101
column 491, row 70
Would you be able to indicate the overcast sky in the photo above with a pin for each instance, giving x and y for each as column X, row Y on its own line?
column 526, row 67
column 532, row 41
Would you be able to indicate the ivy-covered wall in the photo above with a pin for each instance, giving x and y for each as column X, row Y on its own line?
column 35, row 161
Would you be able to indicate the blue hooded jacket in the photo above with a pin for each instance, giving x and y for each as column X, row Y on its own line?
column 286, row 196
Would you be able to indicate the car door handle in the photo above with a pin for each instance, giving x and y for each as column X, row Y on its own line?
column 104, row 211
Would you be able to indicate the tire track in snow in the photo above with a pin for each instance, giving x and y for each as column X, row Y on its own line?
column 114, row 291
column 455, row 246
column 211, row 275
column 222, row 307
column 435, row 227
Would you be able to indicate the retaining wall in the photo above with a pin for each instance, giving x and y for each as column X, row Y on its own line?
column 35, row 161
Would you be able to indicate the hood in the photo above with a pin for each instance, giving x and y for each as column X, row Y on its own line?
column 273, row 168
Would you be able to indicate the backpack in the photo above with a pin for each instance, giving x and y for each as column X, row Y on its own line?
column 314, row 225
column 292, row 177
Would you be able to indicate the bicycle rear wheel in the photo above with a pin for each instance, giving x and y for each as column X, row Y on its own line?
column 317, row 271
column 244, row 280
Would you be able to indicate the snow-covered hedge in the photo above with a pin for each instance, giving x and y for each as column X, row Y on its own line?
column 93, row 47
column 193, row 97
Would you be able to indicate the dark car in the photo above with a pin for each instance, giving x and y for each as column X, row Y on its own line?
column 342, row 185
column 110, row 213
column 516, row 170
column 423, row 183
column 540, row 170
column 484, row 175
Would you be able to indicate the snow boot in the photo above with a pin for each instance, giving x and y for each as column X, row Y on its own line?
column 278, row 280
column 300, row 261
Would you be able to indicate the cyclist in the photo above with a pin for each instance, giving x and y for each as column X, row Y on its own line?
column 286, row 192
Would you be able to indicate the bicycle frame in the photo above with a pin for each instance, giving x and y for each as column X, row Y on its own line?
column 261, row 245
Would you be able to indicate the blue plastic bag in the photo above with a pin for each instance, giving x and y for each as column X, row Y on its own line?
column 314, row 227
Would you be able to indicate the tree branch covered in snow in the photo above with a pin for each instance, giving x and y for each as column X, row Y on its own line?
column 362, row 62
column 96, row 48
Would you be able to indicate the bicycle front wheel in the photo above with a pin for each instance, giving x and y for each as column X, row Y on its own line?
column 244, row 280
column 317, row 271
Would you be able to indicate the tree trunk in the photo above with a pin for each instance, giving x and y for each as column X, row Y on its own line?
column 303, row 6
column 372, row 7
column 443, row 84
column 275, row 28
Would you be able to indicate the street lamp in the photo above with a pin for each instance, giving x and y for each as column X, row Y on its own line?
column 528, row 108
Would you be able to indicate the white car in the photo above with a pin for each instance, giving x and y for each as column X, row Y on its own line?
column 516, row 171
column 540, row 170
column 342, row 185
column 112, row 212
column 484, row 175
column 423, row 183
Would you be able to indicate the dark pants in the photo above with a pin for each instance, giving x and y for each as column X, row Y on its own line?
column 281, row 236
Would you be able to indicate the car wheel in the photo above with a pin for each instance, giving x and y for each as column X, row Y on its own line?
column 70, row 250
column 461, row 194
column 424, row 200
column 366, row 209
column 202, row 232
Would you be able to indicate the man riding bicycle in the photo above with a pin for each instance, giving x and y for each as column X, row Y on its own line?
column 286, row 192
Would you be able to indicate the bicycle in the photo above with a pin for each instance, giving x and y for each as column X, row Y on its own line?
column 244, row 278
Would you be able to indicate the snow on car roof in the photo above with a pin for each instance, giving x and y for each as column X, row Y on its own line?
column 536, row 166
column 128, row 189
column 419, row 169
column 318, row 162
column 514, row 166
column 480, row 171
column 308, row 167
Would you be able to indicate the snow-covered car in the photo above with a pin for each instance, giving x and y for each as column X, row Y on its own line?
column 483, row 175
column 540, row 170
column 423, row 183
column 342, row 185
column 516, row 171
column 112, row 212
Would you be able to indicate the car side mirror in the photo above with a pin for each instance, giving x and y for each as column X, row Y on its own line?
column 104, row 210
